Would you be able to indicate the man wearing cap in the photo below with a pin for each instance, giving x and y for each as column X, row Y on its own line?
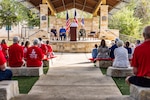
column 34, row 55
column 16, row 53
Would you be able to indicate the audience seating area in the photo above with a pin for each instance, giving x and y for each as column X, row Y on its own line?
column 48, row 62
column 102, row 62
column 26, row 71
column 8, row 89
column 119, row 72
column 139, row 93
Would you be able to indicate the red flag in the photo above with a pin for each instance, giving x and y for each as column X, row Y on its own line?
column 75, row 17
column 67, row 23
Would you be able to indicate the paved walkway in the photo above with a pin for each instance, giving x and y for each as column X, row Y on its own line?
column 73, row 77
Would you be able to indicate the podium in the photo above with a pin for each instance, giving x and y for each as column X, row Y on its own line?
column 73, row 32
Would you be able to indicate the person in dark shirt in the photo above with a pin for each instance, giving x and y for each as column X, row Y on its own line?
column 113, row 48
column 54, row 33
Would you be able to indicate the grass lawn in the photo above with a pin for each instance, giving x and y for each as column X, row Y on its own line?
column 120, row 82
column 26, row 83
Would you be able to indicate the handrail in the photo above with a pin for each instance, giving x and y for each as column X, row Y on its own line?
column 35, row 33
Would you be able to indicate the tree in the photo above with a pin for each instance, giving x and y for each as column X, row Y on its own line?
column 142, row 11
column 13, row 12
column 8, row 16
column 125, row 21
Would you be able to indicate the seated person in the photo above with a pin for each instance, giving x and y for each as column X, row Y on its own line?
column 62, row 33
column 128, row 49
column 94, row 53
column 103, row 50
column 121, row 56
column 141, row 62
column 5, row 74
column 50, row 50
column 54, row 32
column 112, row 48
column 43, row 47
column 82, row 33
column 4, row 48
column 34, row 55
column 16, row 55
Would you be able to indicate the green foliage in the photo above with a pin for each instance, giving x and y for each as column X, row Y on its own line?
column 13, row 12
column 7, row 13
column 125, row 22
column 142, row 11
column 131, row 19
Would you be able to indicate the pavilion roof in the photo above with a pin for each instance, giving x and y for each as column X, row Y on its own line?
column 90, row 6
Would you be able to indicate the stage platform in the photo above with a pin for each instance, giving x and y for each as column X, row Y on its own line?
column 82, row 46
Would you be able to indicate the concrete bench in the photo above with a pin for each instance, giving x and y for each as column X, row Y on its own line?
column 104, row 63
column 119, row 72
column 26, row 71
column 139, row 93
column 8, row 89
column 48, row 62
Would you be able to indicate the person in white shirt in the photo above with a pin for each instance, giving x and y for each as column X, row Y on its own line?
column 121, row 56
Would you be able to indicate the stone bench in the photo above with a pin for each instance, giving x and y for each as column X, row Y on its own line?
column 119, row 72
column 139, row 93
column 48, row 62
column 103, row 63
column 8, row 89
column 26, row 71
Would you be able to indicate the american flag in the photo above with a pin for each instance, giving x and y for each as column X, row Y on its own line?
column 67, row 23
column 75, row 17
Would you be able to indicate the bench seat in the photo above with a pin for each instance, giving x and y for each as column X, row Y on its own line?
column 48, row 61
column 8, row 89
column 119, row 72
column 139, row 93
column 104, row 62
column 26, row 71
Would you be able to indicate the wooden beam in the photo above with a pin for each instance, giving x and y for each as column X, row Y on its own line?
column 97, row 8
column 104, row 2
column 64, row 4
column 50, row 6
column 43, row 1
column 84, row 5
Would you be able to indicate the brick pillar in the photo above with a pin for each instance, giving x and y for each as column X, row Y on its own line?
column 44, row 17
column 103, row 20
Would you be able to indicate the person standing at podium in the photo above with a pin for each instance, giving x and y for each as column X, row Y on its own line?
column 62, row 33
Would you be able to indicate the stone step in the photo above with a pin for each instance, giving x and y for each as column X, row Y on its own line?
column 46, row 97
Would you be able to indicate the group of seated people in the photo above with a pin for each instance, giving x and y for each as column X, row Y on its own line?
column 17, row 55
column 139, row 55
column 118, row 52
column 62, row 33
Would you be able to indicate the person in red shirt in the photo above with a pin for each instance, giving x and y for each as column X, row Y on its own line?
column 5, row 74
column 50, row 50
column 34, row 55
column 140, row 62
column 25, row 48
column 4, row 48
column 42, row 46
column 15, row 54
